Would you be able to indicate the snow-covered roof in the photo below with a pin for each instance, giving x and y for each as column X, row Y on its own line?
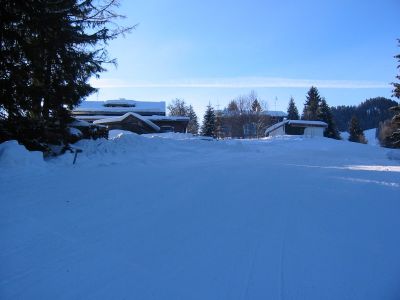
column 167, row 118
column 92, row 117
column 305, row 123
column 275, row 126
column 121, row 118
column 121, row 105
column 275, row 113
column 151, row 118
column 79, row 123
column 271, row 113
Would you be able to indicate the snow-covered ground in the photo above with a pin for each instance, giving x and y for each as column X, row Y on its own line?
column 369, row 135
column 177, row 217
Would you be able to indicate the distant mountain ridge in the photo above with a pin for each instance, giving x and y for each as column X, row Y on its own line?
column 369, row 113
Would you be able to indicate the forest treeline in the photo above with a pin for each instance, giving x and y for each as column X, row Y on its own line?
column 369, row 113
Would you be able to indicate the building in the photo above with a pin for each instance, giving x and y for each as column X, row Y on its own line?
column 297, row 127
column 136, row 116
column 246, row 124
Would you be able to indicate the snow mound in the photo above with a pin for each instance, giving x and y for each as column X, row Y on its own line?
column 370, row 135
column 172, row 135
column 13, row 154
column 117, row 133
column 344, row 135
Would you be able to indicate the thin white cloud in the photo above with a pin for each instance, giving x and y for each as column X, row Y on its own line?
column 241, row 82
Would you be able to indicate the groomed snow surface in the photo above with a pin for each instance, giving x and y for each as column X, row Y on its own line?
column 178, row 217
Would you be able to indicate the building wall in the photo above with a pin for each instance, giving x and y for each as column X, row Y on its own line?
column 131, row 124
column 294, row 130
column 314, row 131
column 242, row 126
column 179, row 126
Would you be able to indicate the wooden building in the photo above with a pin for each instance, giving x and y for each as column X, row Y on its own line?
column 136, row 116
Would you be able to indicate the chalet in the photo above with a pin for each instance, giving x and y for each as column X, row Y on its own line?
column 297, row 127
column 136, row 116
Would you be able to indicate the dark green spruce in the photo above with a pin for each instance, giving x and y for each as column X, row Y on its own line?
column 49, row 51
column 293, row 113
column 355, row 132
column 209, row 127
column 311, row 105
column 324, row 114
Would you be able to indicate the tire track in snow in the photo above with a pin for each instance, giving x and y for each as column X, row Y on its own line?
column 251, row 269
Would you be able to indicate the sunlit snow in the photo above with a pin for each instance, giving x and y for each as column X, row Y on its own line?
column 178, row 217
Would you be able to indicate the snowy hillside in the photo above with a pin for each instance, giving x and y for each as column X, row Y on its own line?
column 369, row 135
column 158, row 217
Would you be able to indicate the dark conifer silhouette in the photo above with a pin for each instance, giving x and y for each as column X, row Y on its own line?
column 293, row 113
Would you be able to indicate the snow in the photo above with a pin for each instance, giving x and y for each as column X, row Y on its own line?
column 369, row 135
column 117, row 133
column 306, row 122
column 174, row 135
column 271, row 113
column 79, row 123
column 167, row 118
column 275, row 113
column 139, row 106
column 120, row 102
column 175, row 217
column 14, row 155
column 344, row 135
column 74, row 131
column 394, row 154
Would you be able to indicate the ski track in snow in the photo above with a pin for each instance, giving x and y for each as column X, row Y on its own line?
column 177, row 217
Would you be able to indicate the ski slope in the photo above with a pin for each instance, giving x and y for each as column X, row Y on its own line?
column 177, row 217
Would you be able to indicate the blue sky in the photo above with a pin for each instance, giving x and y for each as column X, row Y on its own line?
column 212, row 51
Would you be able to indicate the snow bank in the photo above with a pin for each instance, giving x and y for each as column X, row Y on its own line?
column 370, row 136
column 172, row 135
column 344, row 135
column 168, row 217
column 14, row 155
column 116, row 133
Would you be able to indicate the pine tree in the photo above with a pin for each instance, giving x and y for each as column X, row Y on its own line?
column 311, row 105
column 49, row 51
column 193, row 126
column 208, row 127
column 293, row 113
column 394, row 139
column 396, row 90
column 355, row 132
column 324, row 114
column 256, row 106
